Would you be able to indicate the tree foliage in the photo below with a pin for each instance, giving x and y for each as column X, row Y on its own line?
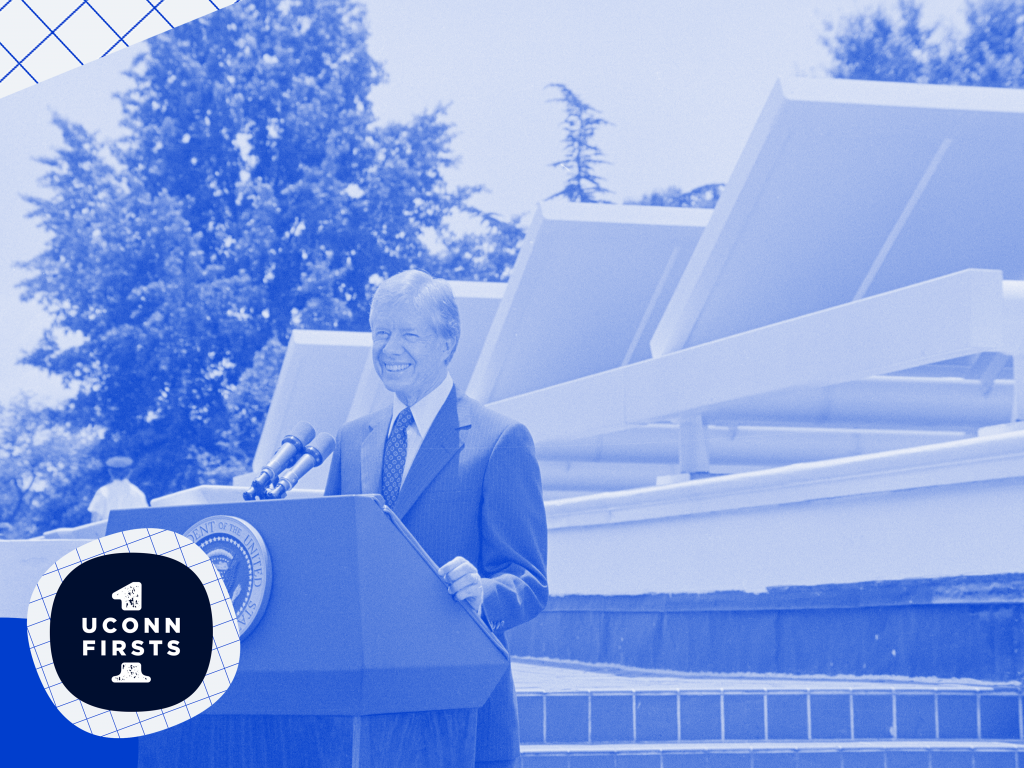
column 581, row 154
column 705, row 196
column 47, row 471
column 254, row 193
column 992, row 51
column 488, row 254
column 875, row 46
column 247, row 403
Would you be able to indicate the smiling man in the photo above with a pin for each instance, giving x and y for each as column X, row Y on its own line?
column 463, row 479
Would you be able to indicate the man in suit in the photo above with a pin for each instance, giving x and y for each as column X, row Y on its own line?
column 462, row 478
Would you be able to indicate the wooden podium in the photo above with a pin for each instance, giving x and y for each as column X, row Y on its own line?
column 362, row 658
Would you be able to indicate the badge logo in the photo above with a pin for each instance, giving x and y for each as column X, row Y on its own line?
column 240, row 556
column 133, row 633
column 131, row 617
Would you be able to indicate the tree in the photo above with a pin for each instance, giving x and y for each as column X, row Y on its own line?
column 47, row 471
column 581, row 154
column 874, row 46
column 247, row 403
column 700, row 197
column 253, row 194
column 488, row 255
column 992, row 51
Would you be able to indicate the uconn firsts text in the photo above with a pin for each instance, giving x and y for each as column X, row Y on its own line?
column 124, row 642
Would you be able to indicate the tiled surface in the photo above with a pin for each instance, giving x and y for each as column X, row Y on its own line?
column 638, row 761
column 43, row 38
column 700, row 717
column 567, row 719
column 819, row 760
column 898, row 758
column 958, row 716
column 952, row 758
column 864, row 759
column 531, row 719
column 697, row 717
column 996, row 760
column 787, row 716
column 656, row 717
column 915, row 716
column 587, row 704
column 773, row 760
column 611, row 718
column 1000, row 717
column 664, row 756
column 872, row 715
column 830, row 716
column 744, row 716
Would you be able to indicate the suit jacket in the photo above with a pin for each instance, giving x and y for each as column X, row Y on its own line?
column 473, row 490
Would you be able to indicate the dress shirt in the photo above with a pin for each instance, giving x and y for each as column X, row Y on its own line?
column 117, row 494
column 424, row 411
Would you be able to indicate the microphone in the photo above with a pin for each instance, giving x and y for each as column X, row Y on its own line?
column 292, row 445
column 321, row 447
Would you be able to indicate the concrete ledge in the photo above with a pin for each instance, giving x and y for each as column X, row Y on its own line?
column 928, row 512
column 958, row 461
column 22, row 563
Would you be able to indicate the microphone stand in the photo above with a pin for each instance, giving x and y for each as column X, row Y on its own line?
column 260, row 487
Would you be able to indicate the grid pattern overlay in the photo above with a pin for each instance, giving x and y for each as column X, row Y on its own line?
column 43, row 38
column 226, row 644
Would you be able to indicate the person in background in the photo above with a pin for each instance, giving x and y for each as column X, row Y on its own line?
column 119, row 493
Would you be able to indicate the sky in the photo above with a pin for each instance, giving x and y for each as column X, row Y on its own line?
column 681, row 83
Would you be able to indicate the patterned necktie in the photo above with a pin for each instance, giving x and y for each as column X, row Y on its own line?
column 394, row 458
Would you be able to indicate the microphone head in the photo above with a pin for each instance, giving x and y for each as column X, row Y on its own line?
column 303, row 432
column 324, row 444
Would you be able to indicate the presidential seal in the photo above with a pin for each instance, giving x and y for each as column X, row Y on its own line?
column 237, row 551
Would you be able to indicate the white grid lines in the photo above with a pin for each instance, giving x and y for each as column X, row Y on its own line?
column 224, row 653
column 43, row 38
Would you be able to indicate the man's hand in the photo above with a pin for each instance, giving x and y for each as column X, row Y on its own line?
column 464, row 582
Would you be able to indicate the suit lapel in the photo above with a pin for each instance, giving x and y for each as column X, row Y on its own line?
column 371, row 457
column 443, row 440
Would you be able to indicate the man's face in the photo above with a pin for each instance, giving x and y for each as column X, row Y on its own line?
column 407, row 353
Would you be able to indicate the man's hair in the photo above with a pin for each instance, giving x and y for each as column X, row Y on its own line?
column 432, row 295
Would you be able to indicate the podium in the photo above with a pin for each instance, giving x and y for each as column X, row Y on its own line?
column 361, row 657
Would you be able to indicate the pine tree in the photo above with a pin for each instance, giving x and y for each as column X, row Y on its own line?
column 581, row 154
